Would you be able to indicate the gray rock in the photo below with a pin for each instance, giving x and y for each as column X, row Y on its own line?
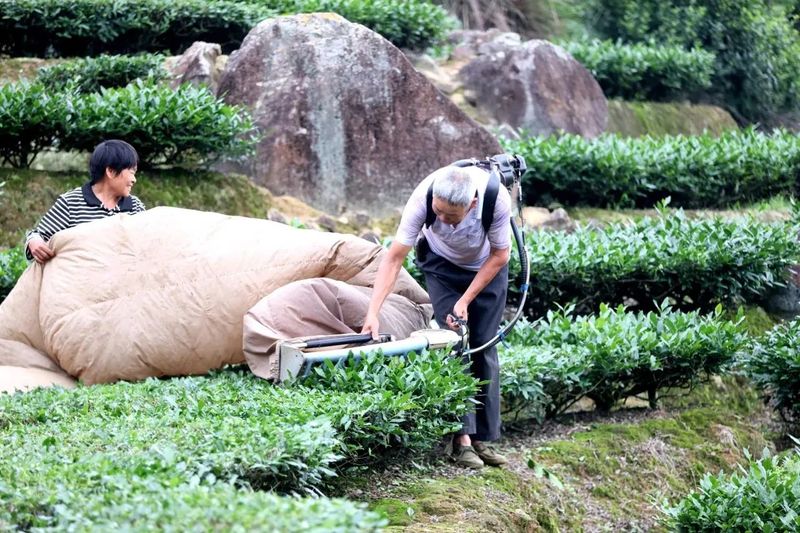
column 345, row 118
column 326, row 222
column 276, row 216
column 198, row 65
column 537, row 86
column 542, row 218
column 371, row 236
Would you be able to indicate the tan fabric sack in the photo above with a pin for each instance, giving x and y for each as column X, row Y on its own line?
column 320, row 307
column 15, row 379
column 165, row 292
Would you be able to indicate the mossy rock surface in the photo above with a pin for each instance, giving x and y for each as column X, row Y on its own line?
column 635, row 119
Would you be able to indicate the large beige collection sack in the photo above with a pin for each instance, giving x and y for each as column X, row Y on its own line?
column 314, row 307
column 164, row 293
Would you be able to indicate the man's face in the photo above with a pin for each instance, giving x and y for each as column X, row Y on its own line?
column 448, row 213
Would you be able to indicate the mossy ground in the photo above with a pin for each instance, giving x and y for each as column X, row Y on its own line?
column 616, row 471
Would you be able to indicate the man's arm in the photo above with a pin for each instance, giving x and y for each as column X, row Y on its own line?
column 498, row 257
column 384, row 283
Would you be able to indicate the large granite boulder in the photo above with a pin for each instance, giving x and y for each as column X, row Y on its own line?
column 346, row 120
column 536, row 86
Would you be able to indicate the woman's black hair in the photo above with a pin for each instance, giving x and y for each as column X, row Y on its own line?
column 114, row 154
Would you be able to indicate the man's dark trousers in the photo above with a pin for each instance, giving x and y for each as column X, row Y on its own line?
column 446, row 284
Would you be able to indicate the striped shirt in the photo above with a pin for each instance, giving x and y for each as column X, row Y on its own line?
column 78, row 206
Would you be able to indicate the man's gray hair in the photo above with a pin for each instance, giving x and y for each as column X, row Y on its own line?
column 455, row 186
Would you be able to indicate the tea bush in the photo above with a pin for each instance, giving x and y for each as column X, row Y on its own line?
column 75, row 28
column 694, row 171
column 756, row 46
column 412, row 24
column 774, row 366
column 12, row 265
column 166, row 126
column 695, row 263
column 763, row 497
column 187, row 125
column 644, row 72
column 607, row 357
column 66, row 28
column 32, row 118
column 433, row 387
column 119, row 452
column 90, row 74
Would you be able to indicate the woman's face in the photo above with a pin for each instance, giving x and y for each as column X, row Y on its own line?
column 122, row 182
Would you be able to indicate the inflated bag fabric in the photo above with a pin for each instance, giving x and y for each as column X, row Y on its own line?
column 164, row 292
column 15, row 379
column 320, row 307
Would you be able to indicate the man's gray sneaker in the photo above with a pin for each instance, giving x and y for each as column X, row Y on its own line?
column 467, row 457
column 488, row 455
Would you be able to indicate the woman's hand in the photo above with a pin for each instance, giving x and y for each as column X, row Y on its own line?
column 40, row 251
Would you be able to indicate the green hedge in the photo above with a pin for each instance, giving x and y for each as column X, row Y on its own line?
column 763, row 497
column 67, row 28
column 551, row 364
column 90, row 74
column 644, row 72
column 165, row 126
column 694, row 171
column 407, row 24
column 12, row 265
column 774, row 366
column 696, row 263
column 76, row 28
column 70, row 458
column 32, row 117
column 187, row 125
column 757, row 49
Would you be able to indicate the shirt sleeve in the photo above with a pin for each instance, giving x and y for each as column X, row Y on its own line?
column 56, row 219
column 138, row 205
column 500, row 230
column 413, row 215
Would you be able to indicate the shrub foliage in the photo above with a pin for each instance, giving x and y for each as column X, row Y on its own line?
column 165, row 126
column 122, row 452
column 90, row 74
column 763, row 497
column 644, row 72
column 607, row 357
column 694, row 171
column 756, row 46
column 68, row 28
column 774, row 366
column 409, row 24
column 695, row 263
column 12, row 265
column 32, row 117
column 187, row 125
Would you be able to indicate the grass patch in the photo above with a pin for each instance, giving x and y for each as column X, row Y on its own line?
column 629, row 468
column 30, row 193
column 773, row 209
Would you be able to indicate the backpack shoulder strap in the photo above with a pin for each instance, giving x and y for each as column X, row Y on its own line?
column 430, row 216
column 489, row 201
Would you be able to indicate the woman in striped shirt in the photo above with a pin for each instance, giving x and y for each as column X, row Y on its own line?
column 112, row 169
